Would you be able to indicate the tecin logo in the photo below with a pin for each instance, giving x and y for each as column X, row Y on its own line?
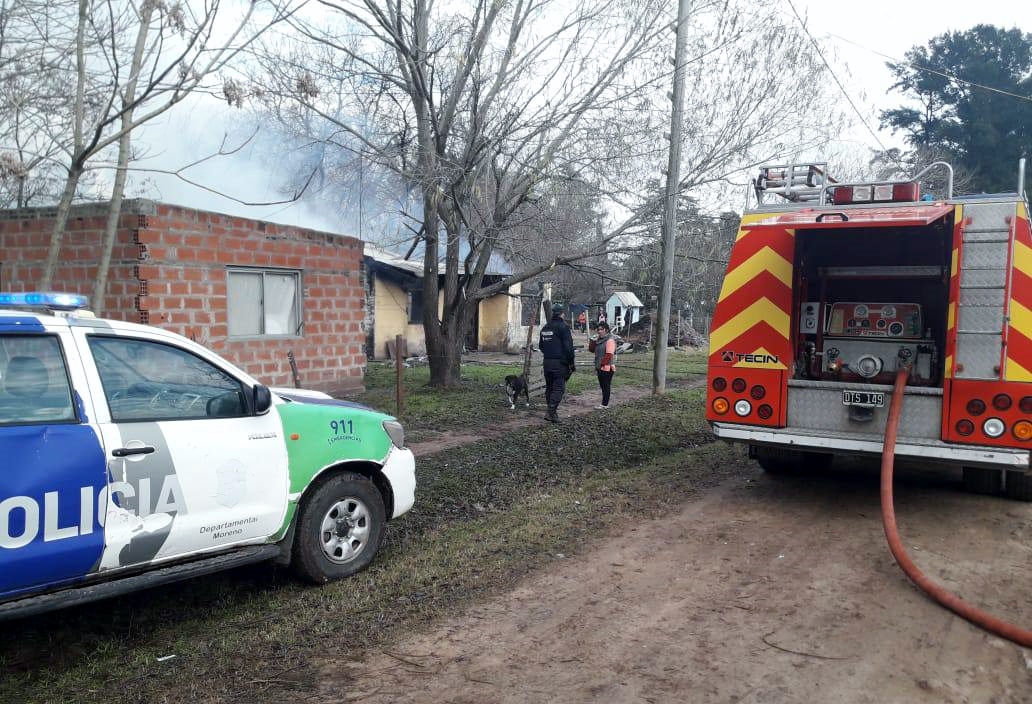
column 729, row 356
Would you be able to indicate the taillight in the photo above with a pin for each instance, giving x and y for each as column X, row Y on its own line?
column 758, row 392
column 1022, row 430
column 965, row 427
column 1026, row 404
column 877, row 193
column 976, row 406
column 1002, row 402
column 720, row 406
column 743, row 407
column 993, row 427
column 719, row 384
column 738, row 385
column 765, row 412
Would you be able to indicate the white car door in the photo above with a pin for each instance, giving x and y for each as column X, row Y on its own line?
column 190, row 468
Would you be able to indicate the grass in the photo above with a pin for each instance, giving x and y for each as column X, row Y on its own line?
column 480, row 399
column 481, row 522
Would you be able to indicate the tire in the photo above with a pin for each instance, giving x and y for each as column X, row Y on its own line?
column 1019, row 486
column 978, row 480
column 340, row 527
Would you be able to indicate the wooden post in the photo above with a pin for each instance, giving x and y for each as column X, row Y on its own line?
column 399, row 388
column 677, row 342
column 529, row 351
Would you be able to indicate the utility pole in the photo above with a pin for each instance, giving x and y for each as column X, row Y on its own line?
column 673, row 186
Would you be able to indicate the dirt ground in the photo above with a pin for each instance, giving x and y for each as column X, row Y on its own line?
column 764, row 590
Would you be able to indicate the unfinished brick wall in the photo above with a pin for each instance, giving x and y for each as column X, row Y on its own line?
column 170, row 270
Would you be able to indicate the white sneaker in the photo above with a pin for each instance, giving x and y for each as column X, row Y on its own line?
column 600, row 407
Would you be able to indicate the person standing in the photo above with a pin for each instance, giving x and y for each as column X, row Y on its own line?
column 556, row 344
column 604, row 347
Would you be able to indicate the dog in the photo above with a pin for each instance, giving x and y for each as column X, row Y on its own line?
column 514, row 386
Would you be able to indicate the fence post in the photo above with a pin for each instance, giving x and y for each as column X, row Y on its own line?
column 399, row 374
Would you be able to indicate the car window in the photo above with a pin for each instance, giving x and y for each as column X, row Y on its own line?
column 34, row 384
column 146, row 381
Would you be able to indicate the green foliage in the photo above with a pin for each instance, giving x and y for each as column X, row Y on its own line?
column 983, row 130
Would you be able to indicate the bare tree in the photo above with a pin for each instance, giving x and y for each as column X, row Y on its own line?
column 483, row 111
column 130, row 64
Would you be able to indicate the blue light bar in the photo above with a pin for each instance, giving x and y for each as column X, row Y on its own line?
column 34, row 299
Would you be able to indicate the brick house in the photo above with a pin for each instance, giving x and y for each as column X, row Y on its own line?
column 252, row 291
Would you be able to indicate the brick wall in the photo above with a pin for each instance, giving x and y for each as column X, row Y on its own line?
column 170, row 270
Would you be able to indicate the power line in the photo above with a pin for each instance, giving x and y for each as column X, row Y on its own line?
column 842, row 88
column 944, row 74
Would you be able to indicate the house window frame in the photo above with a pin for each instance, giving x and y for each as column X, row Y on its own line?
column 415, row 311
column 298, row 275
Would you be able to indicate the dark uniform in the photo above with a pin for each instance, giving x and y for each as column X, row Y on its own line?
column 556, row 345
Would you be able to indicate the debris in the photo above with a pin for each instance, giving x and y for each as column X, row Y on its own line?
column 163, row 658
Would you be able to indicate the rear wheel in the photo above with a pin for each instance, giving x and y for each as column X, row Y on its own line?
column 339, row 528
column 1019, row 486
column 979, row 480
column 778, row 461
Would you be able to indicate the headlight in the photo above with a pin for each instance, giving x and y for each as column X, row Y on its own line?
column 994, row 427
column 743, row 408
column 396, row 432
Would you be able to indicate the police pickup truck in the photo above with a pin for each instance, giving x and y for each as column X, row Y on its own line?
column 131, row 456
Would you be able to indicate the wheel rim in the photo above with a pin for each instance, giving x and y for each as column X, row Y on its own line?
column 345, row 530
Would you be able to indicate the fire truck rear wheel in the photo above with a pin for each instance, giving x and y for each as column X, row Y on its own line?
column 1019, row 486
column 979, row 480
column 794, row 462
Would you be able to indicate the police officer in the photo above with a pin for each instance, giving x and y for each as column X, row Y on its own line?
column 556, row 345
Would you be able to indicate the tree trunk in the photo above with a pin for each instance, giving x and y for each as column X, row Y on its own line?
column 64, row 206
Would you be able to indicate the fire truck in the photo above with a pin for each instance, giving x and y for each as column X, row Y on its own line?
column 831, row 287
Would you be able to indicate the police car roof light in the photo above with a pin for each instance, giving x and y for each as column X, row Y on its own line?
column 35, row 299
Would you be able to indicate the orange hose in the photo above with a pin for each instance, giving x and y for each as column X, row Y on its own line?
column 953, row 603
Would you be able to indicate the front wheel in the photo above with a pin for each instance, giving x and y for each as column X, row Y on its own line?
column 339, row 529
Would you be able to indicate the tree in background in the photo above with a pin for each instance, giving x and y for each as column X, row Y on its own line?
column 984, row 128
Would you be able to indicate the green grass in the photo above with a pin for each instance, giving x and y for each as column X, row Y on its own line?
column 481, row 522
column 480, row 399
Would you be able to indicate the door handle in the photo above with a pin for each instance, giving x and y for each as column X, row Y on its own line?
column 128, row 451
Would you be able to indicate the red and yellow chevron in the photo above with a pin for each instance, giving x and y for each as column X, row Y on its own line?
column 954, row 292
column 752, row 321
column 1018, row 366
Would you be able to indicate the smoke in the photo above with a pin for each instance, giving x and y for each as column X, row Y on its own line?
column 227, row 158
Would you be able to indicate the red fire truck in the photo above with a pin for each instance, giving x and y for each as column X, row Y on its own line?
column 831, row 287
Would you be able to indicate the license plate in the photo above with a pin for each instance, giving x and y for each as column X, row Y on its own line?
column 867, row 399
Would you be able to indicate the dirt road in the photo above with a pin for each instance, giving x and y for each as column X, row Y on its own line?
column 765, row 590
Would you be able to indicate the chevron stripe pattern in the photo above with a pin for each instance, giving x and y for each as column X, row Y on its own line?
column 1019, row 333
column 954, row 291
column 752, row 322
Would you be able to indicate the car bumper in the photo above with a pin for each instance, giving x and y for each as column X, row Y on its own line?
column 400, row 471
column 855, row 443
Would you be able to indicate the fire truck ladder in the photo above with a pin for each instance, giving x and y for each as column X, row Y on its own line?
column 798, row 183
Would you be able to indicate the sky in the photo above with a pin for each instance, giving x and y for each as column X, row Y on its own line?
column 852, row 35
column 855, row 31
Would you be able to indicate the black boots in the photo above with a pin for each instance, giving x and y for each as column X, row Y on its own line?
column 552, row 416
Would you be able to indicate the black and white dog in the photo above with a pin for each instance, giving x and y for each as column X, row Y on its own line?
column 514, row 386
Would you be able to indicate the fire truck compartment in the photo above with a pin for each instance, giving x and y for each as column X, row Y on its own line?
column 869, row 299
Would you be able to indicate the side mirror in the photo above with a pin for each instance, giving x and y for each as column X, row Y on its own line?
column 262, row 399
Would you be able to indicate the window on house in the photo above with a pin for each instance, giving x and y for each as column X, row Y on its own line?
column 415, row 308
column 264, row 303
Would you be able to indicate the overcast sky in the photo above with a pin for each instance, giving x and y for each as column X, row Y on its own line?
column 849, row 33
column 855, row 31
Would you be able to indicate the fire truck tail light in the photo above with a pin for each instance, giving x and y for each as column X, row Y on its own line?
column 906, row 192
column 720, row 406
column 743, row 408
column 765, row 412
column 738, row 385
column 1002, row 402
column 758, row 392
column 965, row 427
column 976, row 407
column 876, row 193
column 719, row 383
column 1022, row 430
column 1026, row 404
column 993, row 427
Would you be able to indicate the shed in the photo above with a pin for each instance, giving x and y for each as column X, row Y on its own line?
column 623, row 308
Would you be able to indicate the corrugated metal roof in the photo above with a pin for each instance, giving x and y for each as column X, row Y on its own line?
column 627, row 299
column 378, row 254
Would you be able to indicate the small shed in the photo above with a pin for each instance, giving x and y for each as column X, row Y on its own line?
column 623, row 308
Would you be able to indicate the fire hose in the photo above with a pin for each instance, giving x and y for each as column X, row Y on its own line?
column 954, row 603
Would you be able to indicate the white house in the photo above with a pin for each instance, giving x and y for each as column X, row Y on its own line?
column 623, row 308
